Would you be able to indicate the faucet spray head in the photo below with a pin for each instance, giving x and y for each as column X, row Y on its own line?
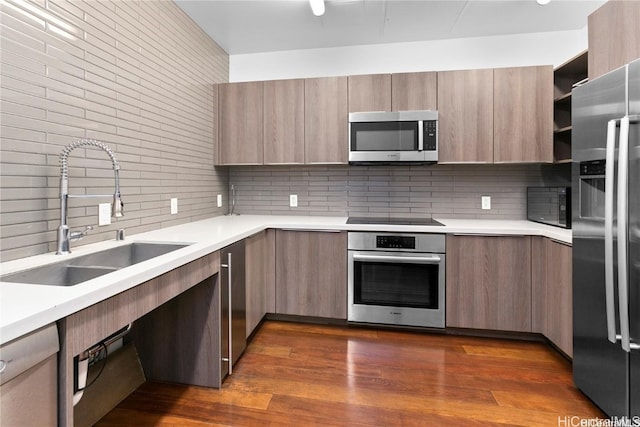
column 118, row 206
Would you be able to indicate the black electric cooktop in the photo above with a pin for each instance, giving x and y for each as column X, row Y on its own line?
column 393, row 221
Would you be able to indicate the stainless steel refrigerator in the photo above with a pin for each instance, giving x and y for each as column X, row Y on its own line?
column 606, row 241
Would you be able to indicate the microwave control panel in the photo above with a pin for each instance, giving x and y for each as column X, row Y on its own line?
column 430, row 135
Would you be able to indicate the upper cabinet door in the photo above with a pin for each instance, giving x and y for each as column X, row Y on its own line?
column 284, row 122
column 240, row 132
column 414, row 91
column 326, row 120
column 614, row 36
column 216, row 126
column 523, row 114
column 465, row 116
column 370, row 92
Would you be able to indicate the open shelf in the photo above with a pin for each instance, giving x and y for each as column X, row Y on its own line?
column 565, row 77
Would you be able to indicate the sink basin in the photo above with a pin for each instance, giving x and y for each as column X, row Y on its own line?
column 77, row 270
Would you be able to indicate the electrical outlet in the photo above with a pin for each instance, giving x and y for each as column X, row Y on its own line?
column 486, row 202
column 293, row 200
column 219, row 200
column 104, row 213
column 174, row 206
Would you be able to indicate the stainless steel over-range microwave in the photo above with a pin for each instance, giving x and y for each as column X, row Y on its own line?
column 393, row 137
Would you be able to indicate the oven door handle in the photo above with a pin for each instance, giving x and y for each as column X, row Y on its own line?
column 432, row 259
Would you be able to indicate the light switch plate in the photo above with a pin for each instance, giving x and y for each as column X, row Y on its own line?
column 174, row 206
column 293, row 200
column 486, row 202
column 219, row 200
column 104, row 213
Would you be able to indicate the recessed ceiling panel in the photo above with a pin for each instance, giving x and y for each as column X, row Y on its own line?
column 250, row 26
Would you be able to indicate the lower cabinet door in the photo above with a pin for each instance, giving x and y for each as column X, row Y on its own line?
column 311, row 273
column 260, row 277
column 552, row 292
column 489, row 282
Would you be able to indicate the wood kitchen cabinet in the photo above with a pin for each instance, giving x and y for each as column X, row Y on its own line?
column 311, row 273
column 284, row 122
column 414, row 91
column 496, row 115
column 489, row 282
column 614, row 36
column 552, row 293
column 465, row 116
column 370, row 92
column 260, row 277
column 240, row 133
column 393, row 92
column 523, row 114
column 326, row 120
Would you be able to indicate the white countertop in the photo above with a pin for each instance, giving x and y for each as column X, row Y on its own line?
column 25, row 307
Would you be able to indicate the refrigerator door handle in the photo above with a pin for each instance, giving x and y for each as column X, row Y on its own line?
column 623, row 280
column 634, row 120
column 608, row 231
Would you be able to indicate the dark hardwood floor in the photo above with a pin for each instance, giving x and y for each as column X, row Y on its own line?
column 308, row 375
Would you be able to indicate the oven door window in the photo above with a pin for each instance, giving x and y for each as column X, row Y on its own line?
column 396, row 284
column 384, row 136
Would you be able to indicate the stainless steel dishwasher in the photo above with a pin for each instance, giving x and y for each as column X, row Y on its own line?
column 29, row 379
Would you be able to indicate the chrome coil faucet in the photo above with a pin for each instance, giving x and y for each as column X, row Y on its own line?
column 64, row 235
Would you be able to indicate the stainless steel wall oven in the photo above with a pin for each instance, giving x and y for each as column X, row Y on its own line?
column 396, row 279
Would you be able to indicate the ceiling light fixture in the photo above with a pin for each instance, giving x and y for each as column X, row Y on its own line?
column 543, row 2
column 317, row 7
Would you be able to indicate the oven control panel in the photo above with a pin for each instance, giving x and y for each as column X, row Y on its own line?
column 395, row 242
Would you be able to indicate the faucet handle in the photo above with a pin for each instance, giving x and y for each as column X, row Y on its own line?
column 77, row 235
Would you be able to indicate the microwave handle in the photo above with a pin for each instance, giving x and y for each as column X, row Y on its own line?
column 420, row 135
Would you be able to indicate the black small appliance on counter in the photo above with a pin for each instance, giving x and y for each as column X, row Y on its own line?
column 549, row 205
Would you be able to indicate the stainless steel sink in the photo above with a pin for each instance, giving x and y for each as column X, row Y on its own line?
column 77, row 270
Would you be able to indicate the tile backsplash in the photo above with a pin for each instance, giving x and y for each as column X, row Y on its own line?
column 136, row 75
column 451, row 191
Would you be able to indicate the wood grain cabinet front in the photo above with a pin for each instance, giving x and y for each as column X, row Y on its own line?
column 393, row 92
column 326, row 120
column 370, row 92
column 502, row 115
column 240, row 123
column 284, row 115
column 614, row 36
column 523, row 114
column 489, row 282
column 465, row 116
column 260, row 277
column 311, row 273
column 552, row 292
column 414, row 91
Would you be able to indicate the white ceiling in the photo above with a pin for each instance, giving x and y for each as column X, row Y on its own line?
column 251, row 26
